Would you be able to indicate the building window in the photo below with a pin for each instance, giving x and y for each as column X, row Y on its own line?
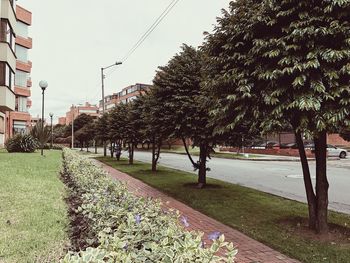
column 22, row 29
column 19, row 127
column 2, row 125
column 6, row 33
column 21, row 104
column 22, row 53
column 21, row 78
column 6, row 75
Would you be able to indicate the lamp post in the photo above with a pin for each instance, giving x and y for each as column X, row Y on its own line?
column 43, row 85
column 51, row 115
column 103, row 96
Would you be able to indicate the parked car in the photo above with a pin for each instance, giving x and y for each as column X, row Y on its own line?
column 334, row 151
column 265, row 145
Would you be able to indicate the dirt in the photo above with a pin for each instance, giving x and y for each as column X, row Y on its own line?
column 338, row 235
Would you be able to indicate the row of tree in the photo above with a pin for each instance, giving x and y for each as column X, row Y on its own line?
column 267, row 67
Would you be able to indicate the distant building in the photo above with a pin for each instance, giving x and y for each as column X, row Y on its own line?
column 62, row 121
column 126, row 95
column 75, row 111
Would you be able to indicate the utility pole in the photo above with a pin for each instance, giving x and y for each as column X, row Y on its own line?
column 103, row 97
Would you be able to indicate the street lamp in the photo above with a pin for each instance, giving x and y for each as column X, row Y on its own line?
column 51, row 115
column 43, row 85
column 103, row 76
column 103, row 96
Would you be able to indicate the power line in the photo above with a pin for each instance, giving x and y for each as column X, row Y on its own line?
column 151, row 29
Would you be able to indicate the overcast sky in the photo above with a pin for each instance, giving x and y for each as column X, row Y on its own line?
column 74, row 39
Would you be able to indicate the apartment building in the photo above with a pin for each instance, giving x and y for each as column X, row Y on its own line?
column 75, row 111
column 8, row 30
column 19, row 120
column 126, row 95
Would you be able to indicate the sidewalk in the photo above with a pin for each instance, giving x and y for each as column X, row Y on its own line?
column 249, row 250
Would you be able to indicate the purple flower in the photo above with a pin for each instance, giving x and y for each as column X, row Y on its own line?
column 214, row 235
column 126, row 246
column 138, row 219
column 202, row 244
column 185, row 221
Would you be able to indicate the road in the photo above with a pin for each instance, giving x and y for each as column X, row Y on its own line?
column 276, row 177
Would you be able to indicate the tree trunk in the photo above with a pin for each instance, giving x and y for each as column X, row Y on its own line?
column 202, row 171
column 131, row 153
column 154, row 164
column 321, row 182
column 112, row 150
column 104, row 149
column 310, row 194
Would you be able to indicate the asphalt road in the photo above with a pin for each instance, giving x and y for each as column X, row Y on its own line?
column 276, row 177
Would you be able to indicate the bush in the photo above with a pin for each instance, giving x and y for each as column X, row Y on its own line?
column 122, row 227
column 21, row 143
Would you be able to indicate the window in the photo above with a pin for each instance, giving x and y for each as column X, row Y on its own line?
column 22, row 29
column 6, row 75
column 22, row 53
column 21, row 78
column 2, row 125
column 21, row 104
column 19, row 127
column 6, row 33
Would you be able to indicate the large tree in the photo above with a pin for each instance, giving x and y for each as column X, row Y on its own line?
column 290, row 61
column 102, row 131
column 183, row 111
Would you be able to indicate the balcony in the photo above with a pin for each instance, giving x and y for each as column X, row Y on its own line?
column 7, row 99
column 24, row 15
column 7, row 55
column 24, row 42
column 24, row 66
column 8, row 12
column 21, row 91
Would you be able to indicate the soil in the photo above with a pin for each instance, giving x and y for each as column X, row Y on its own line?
column 338, row 235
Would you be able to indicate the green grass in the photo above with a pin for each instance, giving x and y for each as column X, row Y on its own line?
column 255, row 213
column 33, row 214
column 195, row 152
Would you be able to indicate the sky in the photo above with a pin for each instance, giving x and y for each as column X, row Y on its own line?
column 72, row 40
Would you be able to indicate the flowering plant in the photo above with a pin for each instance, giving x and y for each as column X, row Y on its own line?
column 125, row 228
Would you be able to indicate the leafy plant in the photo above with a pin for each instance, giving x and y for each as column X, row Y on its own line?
column 40, row 133
column 125, row 228
column 21, row 143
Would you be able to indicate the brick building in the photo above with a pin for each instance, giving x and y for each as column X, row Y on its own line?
column 19, row 120
column 75, row 111
column 15, row 69
column 125, row 95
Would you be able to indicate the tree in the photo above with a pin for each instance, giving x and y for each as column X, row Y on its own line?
column 183, row 110
column 280, row 57
column 345, row 134
column 85, row 134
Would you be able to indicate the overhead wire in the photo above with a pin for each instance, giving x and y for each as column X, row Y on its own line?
column 151, row 29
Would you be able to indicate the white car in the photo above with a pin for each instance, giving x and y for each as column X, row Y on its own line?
column 334, row 151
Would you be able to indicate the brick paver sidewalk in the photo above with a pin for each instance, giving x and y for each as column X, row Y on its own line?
column 249, row 250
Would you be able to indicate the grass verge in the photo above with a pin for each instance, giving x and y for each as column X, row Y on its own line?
column 33, row 214
column 275, row 221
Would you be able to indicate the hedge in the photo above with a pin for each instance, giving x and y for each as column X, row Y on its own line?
column 121, row 227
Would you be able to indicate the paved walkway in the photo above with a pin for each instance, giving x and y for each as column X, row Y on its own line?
column 249, row 250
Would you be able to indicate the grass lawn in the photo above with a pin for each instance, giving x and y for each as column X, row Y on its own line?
column 195, row 152
column 262, row 216
column 33, row 213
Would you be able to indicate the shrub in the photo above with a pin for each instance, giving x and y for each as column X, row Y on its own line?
column 125, row 228
column 21, row 143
